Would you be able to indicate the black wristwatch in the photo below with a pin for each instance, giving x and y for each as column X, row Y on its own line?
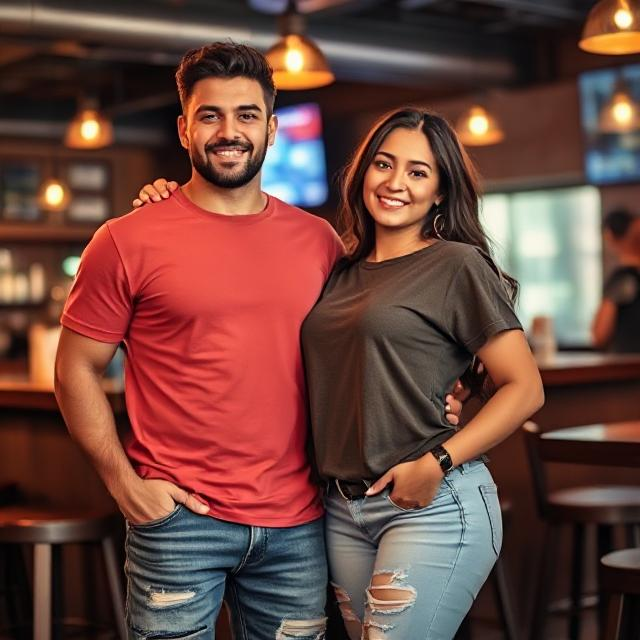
column 443, row 458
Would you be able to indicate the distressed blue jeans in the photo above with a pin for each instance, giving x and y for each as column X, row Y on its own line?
column 413, row 574
column 180, row 567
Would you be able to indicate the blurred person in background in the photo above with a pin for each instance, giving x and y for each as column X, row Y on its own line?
column 616, row 325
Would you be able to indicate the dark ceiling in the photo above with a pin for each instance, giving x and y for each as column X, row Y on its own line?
column 124, row 53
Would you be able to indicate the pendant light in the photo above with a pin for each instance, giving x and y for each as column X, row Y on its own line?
column 89, row 128
column 621, row 113
column 297, row 62
column 476, row 127
column 612, row 28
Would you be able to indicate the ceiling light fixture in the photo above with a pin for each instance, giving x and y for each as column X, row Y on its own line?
column 612, row 28
column 89, row 129
column 476, row 127
column 297, row 62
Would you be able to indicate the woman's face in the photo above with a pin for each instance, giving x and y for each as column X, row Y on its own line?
column 402, row 182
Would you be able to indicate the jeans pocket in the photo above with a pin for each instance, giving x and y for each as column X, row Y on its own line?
column 387, row 496
column 158, row 521
column 399, row 508
column 489, row 494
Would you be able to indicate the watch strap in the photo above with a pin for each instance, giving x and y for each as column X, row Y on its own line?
column 443, row 458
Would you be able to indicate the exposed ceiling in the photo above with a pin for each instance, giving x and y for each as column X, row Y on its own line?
column 124, row 53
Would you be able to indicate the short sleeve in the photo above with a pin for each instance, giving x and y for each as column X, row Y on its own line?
column 100, row 303
column 622, row 287
column 336, row 249
column 478, row 303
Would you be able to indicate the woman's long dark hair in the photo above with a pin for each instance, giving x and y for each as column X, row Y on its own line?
column 459, row 220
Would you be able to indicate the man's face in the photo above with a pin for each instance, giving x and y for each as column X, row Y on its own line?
column 226, row 130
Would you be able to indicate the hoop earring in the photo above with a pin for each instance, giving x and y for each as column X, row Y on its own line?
column 437, row 230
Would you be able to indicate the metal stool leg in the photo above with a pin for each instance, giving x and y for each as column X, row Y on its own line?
column 42, row 592
column 614, row 617
column 115, row 586
column 576, row 582
column 604, row 539
column 547, row 569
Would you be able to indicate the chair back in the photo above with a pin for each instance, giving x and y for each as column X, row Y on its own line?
column 531, row 432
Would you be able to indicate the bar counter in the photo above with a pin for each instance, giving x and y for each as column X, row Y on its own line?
column 19, row 393
column 36, row 451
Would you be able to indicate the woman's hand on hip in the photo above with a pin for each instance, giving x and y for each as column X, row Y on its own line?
column 414, row 483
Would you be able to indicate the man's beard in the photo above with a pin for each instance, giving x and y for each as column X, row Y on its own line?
column 230, row 178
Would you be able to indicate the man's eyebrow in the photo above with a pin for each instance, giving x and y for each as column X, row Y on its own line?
column 217, row 109
column 392, row 157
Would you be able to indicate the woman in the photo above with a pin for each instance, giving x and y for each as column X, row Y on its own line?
column 413, row 519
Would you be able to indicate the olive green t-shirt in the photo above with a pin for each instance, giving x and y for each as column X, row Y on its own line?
column 384, row 345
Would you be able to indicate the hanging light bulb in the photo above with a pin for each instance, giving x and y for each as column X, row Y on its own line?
column 476, row 127
column 612, row 28
column 89, row 129
column 297, row 62
column 621, row 113
column 53, row 195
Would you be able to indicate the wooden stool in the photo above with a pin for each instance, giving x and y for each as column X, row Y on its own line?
column 44, row 528
column 602, row 506
column 620, row 575
column 500, row 585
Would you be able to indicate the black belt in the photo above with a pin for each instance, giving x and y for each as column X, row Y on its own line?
column 351, row 489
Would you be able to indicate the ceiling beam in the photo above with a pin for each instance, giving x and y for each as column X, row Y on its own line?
column 401, row 54
column 558, row 9
column 549, row 8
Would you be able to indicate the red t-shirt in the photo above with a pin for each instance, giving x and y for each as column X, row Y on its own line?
column 209, row 307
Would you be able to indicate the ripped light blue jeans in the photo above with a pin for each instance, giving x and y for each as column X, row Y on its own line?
column 180, row 567
column 401, row 575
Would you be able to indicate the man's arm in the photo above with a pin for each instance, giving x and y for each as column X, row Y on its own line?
column 604, row 323
column 80, row 363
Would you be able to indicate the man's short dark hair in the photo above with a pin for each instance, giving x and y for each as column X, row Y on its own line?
column 618, row 222
column 225, row 60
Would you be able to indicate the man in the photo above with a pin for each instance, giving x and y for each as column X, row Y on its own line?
column 208, row 290
column 616, row 326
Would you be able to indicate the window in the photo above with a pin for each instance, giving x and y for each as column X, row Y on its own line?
column 550, row 240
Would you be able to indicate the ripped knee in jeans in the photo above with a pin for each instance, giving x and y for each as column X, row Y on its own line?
column 388, row 594
column 313, row 629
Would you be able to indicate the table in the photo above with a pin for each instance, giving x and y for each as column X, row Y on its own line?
column 613, row 444
column 582, row 388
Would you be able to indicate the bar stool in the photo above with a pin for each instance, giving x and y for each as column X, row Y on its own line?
column 578, row 507
column 500, row 585
column 620, row 576
column 44, row 528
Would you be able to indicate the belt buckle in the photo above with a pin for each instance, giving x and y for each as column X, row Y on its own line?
column 350, row 495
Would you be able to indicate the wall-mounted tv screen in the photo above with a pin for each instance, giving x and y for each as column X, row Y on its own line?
column 610, row 156
column 295, row 168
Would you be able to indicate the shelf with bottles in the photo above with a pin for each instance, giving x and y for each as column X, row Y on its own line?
column 21, row 287
column 53, row 200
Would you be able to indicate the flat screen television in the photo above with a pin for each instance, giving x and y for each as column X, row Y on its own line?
column 609, row 157
column 295, row 167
